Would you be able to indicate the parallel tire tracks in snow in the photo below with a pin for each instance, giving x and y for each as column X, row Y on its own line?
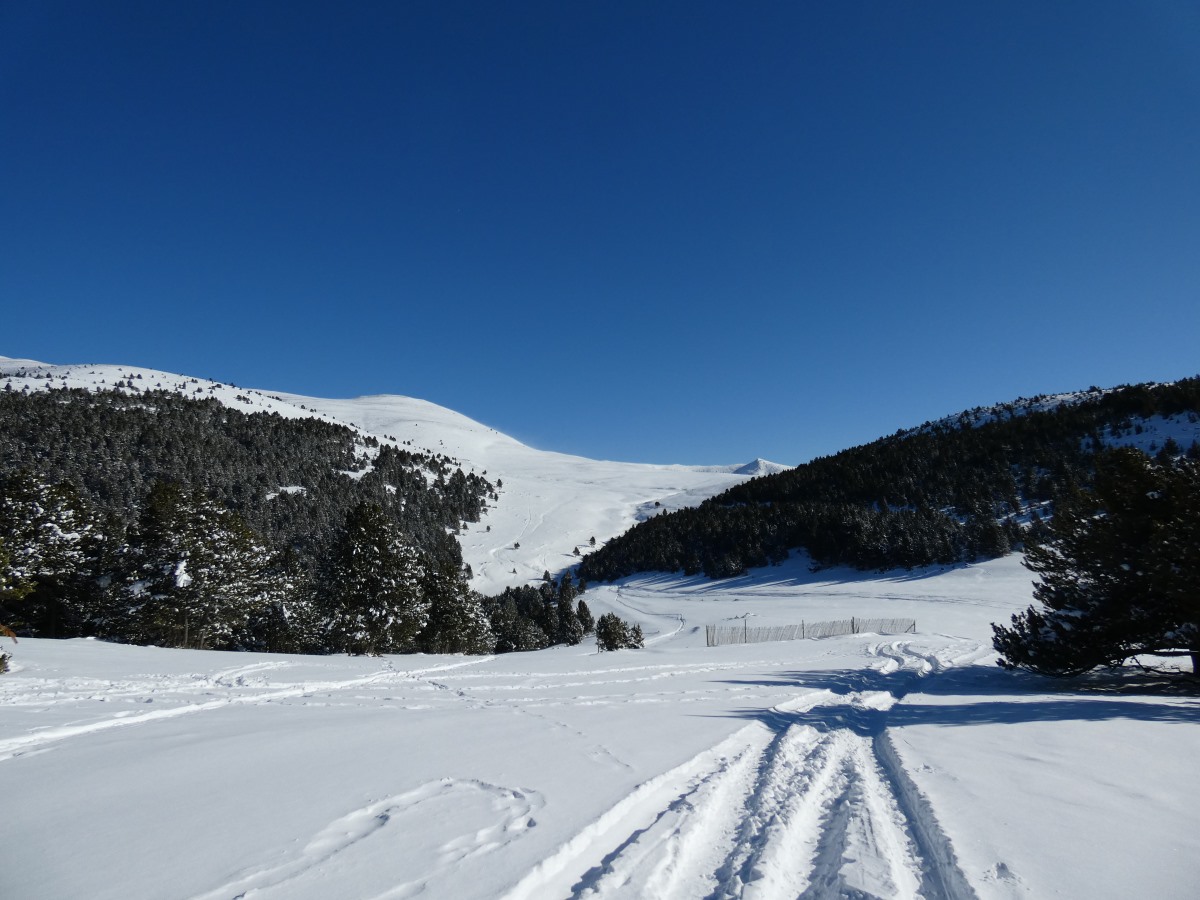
column 811, row 801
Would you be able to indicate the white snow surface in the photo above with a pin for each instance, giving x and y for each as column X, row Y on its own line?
column 862, row 766
column 859, row 766
column 550, row 503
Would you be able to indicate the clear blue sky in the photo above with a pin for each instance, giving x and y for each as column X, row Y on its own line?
column 668, row 232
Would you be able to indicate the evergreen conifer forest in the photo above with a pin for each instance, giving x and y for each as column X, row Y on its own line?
column 975, row 486
column 156, row 518
column 147, row 516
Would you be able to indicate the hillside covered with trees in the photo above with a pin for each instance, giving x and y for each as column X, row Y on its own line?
column 155, row 518
column 974, row 486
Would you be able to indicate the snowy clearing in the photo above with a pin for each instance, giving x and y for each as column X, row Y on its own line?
column 862, row 765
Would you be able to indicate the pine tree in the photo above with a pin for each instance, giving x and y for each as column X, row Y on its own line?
column 292, row 621
column 502, row 614
column 457, row 622
column 586, row 619
column 528, row 635
column 14, row 583
column 195, row 575
column 548, row 613
column 613, row 633
column 55, row 544
column 570, row 629
column 376, row 601
column 10, row 586
column 517, row 616
column 566, row 588
column 1119, row 574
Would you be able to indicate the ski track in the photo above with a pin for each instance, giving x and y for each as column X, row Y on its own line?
column 809, row 801
column 510, row 812
column 37, row 740
column 619, row 597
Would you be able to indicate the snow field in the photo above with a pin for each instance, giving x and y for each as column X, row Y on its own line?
column 863, row 765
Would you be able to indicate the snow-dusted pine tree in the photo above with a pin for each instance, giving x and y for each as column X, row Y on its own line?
column 570, row 629
column 195, row 575
column 54, row 542
column 375, row 598
column 13, row 583
column 457, row 622
column 614, row 633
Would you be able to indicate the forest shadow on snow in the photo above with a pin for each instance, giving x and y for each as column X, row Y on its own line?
column 1086, row 699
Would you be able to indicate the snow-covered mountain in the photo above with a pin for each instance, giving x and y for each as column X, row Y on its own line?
column 549, row 503
column 754, row 468
column 1145, row 433
column 860, row 765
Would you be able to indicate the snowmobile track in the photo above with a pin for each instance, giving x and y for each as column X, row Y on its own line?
column 810, row 801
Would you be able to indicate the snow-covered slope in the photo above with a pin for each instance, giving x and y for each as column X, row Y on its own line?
column 549, row 503
column 754, row 468
column 982, row 415
column 1147, row 434
column 866, row 765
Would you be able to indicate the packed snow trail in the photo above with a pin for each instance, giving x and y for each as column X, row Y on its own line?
column 16, row 746
column 810, row 801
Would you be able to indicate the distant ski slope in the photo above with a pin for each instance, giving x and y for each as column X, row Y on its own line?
column 550, row 503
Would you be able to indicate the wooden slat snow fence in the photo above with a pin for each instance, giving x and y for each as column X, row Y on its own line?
column 745, row 634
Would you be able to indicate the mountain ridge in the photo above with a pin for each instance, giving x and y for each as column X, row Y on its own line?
column 549, row 503
column 975, row 485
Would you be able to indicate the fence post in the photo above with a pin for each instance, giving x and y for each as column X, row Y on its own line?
column 853, row 630
column 745, row 631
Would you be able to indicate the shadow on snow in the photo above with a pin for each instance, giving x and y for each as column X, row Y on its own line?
column 976, row 686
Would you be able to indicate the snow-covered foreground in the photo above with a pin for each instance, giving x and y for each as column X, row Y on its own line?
column 866, row 765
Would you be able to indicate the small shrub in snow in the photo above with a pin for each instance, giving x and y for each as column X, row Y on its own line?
column 4, row 657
